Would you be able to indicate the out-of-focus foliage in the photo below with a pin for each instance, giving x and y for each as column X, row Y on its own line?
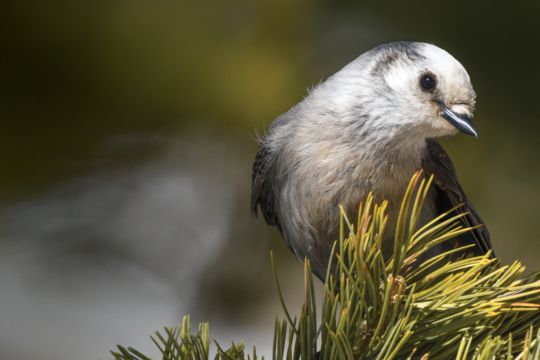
column 377, row 308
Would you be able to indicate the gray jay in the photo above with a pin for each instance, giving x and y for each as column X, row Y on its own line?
column 368, row 127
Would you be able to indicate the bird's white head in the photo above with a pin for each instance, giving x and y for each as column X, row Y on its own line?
column 407, row 88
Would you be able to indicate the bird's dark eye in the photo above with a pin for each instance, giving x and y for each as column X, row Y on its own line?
column 428, row 81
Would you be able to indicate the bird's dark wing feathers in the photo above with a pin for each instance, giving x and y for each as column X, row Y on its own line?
column 262, row 191
column 450, row 194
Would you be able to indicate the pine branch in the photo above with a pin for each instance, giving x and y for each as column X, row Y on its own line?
column 377, row 308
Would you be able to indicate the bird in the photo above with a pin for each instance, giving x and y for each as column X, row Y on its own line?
column 367, row 129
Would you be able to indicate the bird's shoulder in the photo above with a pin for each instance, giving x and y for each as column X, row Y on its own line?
column 450, row 194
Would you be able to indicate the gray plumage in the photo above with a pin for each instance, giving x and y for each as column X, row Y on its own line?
column 368, row 127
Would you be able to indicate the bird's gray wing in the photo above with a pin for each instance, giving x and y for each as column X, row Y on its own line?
column 263, row 194
column 449, row 194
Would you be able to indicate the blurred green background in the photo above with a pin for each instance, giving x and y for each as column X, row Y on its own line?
column 127, row 135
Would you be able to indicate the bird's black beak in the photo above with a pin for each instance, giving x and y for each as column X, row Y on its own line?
column 462, row 122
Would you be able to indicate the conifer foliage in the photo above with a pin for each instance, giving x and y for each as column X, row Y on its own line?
column 376, row 307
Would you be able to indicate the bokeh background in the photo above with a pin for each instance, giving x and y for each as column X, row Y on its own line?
column 127, row 132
